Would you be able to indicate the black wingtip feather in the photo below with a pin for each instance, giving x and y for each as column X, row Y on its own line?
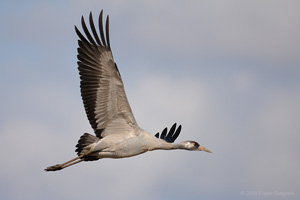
column 172, row 134
column 107, row 31
column 93, row 37
column 93, row 29
column 100, row 21
column 82, row 38
column 86, row 31
column 176, row 134
column 163, row 133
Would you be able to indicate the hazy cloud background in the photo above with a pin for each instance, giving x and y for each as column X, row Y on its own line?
column 228, row 71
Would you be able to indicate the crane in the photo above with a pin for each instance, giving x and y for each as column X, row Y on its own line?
column 117, row 134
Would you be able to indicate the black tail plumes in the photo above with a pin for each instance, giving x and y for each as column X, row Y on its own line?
column 171, row 136
column 85, row 140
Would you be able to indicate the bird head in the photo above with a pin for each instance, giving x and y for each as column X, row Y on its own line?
column 193, row 146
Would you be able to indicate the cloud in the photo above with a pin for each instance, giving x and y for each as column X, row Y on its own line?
column 169, row 96
column 253, row 29
column 278, row 130
column 227, row 71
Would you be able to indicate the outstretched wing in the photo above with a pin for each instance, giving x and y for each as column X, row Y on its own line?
column 102, row 88
column 171, row 136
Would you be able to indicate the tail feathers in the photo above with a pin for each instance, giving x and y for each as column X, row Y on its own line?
column 85, row 140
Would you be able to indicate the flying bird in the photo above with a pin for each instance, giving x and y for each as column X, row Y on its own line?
column 117, row 134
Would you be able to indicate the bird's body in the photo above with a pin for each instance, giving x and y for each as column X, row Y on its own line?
column 117, row 132
column 120, row 146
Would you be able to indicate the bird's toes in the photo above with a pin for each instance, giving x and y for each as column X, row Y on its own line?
column 54, row 168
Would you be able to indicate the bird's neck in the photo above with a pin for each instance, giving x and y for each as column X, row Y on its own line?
column 154, row 143
column 162, row 145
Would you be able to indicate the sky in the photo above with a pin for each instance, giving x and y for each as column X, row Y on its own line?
column 227, row 71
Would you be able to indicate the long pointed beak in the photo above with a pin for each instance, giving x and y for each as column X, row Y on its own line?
column 201, row 148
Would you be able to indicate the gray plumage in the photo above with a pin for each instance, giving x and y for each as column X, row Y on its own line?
column 117, row 132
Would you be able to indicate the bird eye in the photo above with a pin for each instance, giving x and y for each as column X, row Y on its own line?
column 195, row 144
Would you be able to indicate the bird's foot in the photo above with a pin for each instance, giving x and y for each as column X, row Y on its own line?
column 54, row 168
